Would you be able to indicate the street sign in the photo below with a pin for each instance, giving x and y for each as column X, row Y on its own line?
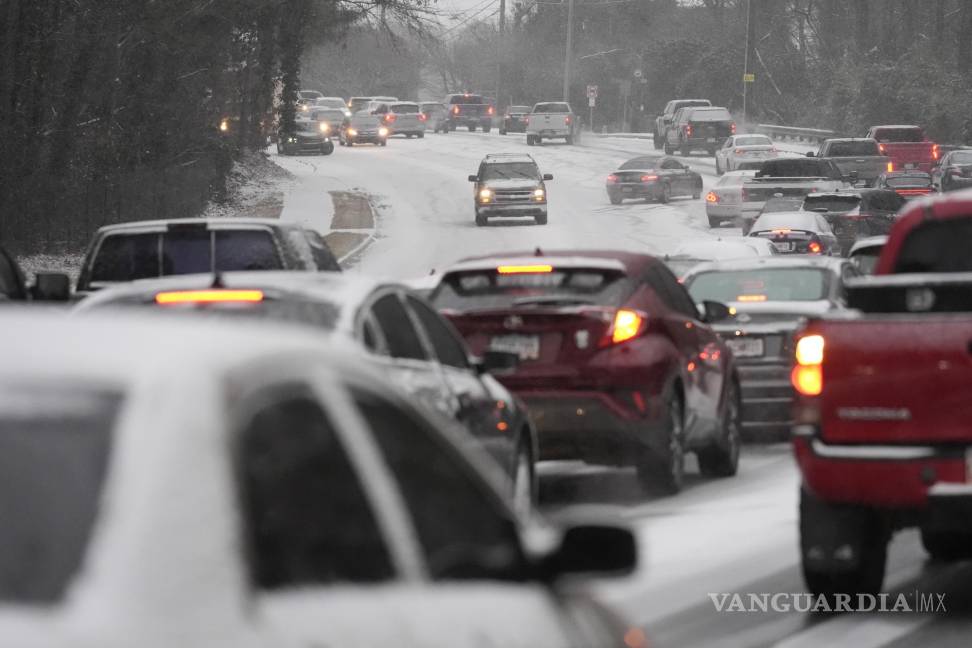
column 592, row 92
column 749, row 78
column 591, row 101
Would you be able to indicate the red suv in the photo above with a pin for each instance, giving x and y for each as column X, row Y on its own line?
column 616, row 363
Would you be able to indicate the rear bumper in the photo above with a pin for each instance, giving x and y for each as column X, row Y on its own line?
column 767, row 399
column 480, row 120
column 922, row 479
column 524, row 209
column 549, row 132
column 723, row 211
column 696, row 143
column 593, row 426
column 632, row 190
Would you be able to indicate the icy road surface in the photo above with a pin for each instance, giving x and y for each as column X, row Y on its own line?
column 718, row 536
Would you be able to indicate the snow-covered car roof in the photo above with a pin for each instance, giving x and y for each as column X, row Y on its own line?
column 212, row 223
column 833, row 264
column 716, row 249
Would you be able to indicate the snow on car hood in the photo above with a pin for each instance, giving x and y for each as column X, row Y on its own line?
column 512, row 183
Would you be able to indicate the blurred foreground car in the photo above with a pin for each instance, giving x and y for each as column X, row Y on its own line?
column 797, row 233
column 743, row 148
column 48, row 286
column 401, row 333
column 307, row 137
column 865, row 252
column 509, row 185
column 693, row 252
column 908, row 184
column 770, row 297
column 856, row 213
column 653, row 178
column 300, row 500
column 724, row 201
column 363, row 128
column 148, row 249
column 616, row 365
column 953, row 171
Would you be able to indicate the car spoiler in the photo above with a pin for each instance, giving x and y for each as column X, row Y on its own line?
column 789, row 179
column 912, row 293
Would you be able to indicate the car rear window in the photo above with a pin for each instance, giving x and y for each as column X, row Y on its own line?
column 467, row 99
column 511, row 171
column 899, row 135
column 838, row 204
column 783, row 220
column 754, row 140
column 909, row 181
column 795, row 168
column 763, row 284
column 709, row 115
column 558, row 108
column 640, row 163
column 126, row 257
column 733, row 180
column 850, row 149
column 55, row 441
column 937, row 246
column 486, row 289
column 405, row 108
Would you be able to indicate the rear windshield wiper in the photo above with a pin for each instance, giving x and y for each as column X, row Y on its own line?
column 552, row 300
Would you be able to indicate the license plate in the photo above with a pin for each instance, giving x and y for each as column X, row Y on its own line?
column 911, row 165
column 627, row 189
column 745, row 347
column 710, row 140
column 527, row 347
column 783, row 246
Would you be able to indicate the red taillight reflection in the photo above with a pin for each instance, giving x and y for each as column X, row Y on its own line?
column 648, row 178
column 423, row 116
column 732, row 128
column 688, row 130
column 814, row 247
column 567, row 119
column 935, row 152
column 612, row 179
column 628, row 324
column 389, row 118
column 489, row 111
column 711, row 197
column 455, row 110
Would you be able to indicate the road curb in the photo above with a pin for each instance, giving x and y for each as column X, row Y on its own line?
column 348, row 243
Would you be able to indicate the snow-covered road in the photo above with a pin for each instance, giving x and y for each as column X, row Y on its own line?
column 727, row 536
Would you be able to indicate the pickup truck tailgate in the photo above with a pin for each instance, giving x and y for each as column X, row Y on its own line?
column 897, row 379
column 909, row 155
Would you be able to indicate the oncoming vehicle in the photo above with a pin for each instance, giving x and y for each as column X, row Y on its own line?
column 328, row 509
column 329, row 120
column 336, row 103
column 743, row 148
column 550, row 119
column 770, row 297
column 510, row 185
column 907, row 184
column 652, row 178
column 306, row 137
column 515, row 120
column 797, row 233
column 399, row 332
column 363, row 128
column 436, row 116
column 402, row 118
column 610, row 345
column 724, row 201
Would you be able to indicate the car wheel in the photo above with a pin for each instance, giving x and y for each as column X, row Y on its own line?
column 384, row 142
column 665, row 195
column 327, row 149
column 279, row 149
column 420, row 135
column 481, row 220
column 502, row 131
column 669, row 149
column 487, row 128
column 719, row 170
column 715, row 222
column 540, row 219
column 826, row 531
column 530, row 141
column 685, row 152
column 946, row 547
column 524, row 484
column 664, row 474
column 657, row 140
column 711, row 152
column 697, row 191
column 472, row 129
column 538, row 140
column 721, row 459
column 569, row 139
column 615, row 200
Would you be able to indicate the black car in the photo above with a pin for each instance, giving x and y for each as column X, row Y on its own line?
column 857, row 213
column 653, row 178
column 515, row 119
column 699, row 128
column 306, row 137
column 797, row 233
column 954, row 171
column 907, row 184
column 397, row 329
column 363, row 128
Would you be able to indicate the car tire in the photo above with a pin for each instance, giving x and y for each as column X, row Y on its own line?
column 530, row 141
column 838, row 526
column 540, row 219
column 657, row 140
column 420, row 135
column 524, row 495
column 349, row 143
column 481, row 220
column 665, row 474
column 665, row 195
column 502, row 131
column 384, row 142
column 946, row 546
column 487, row 128
column 685, row 152
column 668, row 149
column 538, row 140
column 711, row 152
column 715, row 222
column 697, row 191
column 327, row 149
column 615, row 200
column 721, row 459
column 279, row 149
column 569, row 139
column 719, row 170
column 472, row 129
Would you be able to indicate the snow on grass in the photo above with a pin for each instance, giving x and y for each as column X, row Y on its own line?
column 254, row 188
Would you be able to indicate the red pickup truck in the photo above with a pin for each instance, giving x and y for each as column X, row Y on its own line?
column 907, row 146
column 883, row 419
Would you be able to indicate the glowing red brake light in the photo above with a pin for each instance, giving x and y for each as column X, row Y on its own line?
column 208, row 296
column 567, row 119
column 455, row 110
column 612, row 179
column 814, row 247
column 935, row 152
column 711, row 197
column 423, row 116
column 389, row 118
column 688, row 130
column 881, row 148
column 489, row 111
column 648, row 178
column 524, row 269
column 732, row 128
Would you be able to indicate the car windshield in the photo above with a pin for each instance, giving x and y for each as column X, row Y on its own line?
column 795, row 168
column 733, row 179
column 850, row 149
column 328, row 115
column 510, row 171
column 557, row 108
column 753, row 140
column 405, row 108
column 784, row 220
column 55, row 442
column 640, row 163
column 898, row 182
column 834, row 204
column 900, row 135
column 764, row 284
column 489, row 289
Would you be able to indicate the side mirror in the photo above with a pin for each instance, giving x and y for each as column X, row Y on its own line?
column 592, row 549
column 548, row 176
column 713, row 311
column 498, row 363
column 474, row 178
column 51, row 286
column 811, row 154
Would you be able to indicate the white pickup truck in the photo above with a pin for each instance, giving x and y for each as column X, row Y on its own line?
column 550, row 119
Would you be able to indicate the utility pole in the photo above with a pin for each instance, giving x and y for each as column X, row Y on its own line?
column 500, row 50
column 570, row 48
column 750, row 42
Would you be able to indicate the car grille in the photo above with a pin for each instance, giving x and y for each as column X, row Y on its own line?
column 513, row 196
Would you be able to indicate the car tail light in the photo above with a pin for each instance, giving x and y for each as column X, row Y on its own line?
column 489, row 111
column 455, row 110
column 524, row 269
column 750, row 298
column 807, row 374
column 627, row 325
column 732, row 128
column 814, row 247
column 389, row 118
column 612, row 179
column 890, row 167
column 526, row 119
column 711, row 197
column 567, row 119
column 688, row 130
column 739, row 151
column 208, row 296
column 423, row 116
column 743, row 195
column 782, row 231
column 935, row 151
column 881, row 148
column 648, row 178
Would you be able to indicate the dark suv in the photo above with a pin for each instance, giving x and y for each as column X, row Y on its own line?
column 617, row 365
column 469, row 110
column 856, row 214
column 699, row 128
column 510, row 185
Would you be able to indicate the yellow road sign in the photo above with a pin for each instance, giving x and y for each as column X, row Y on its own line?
column 749, row 78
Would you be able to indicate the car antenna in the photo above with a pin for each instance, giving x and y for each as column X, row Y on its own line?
column 538, row 251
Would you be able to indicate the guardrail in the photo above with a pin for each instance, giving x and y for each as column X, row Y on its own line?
column 814, row 135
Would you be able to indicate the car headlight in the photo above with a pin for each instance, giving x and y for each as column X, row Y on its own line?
column 539, row 194
column 347, row 113
column 224, row 125
column 485, row 195
column 383, row 131
column 292, row 140
column 352, row 132
column 325, row 127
